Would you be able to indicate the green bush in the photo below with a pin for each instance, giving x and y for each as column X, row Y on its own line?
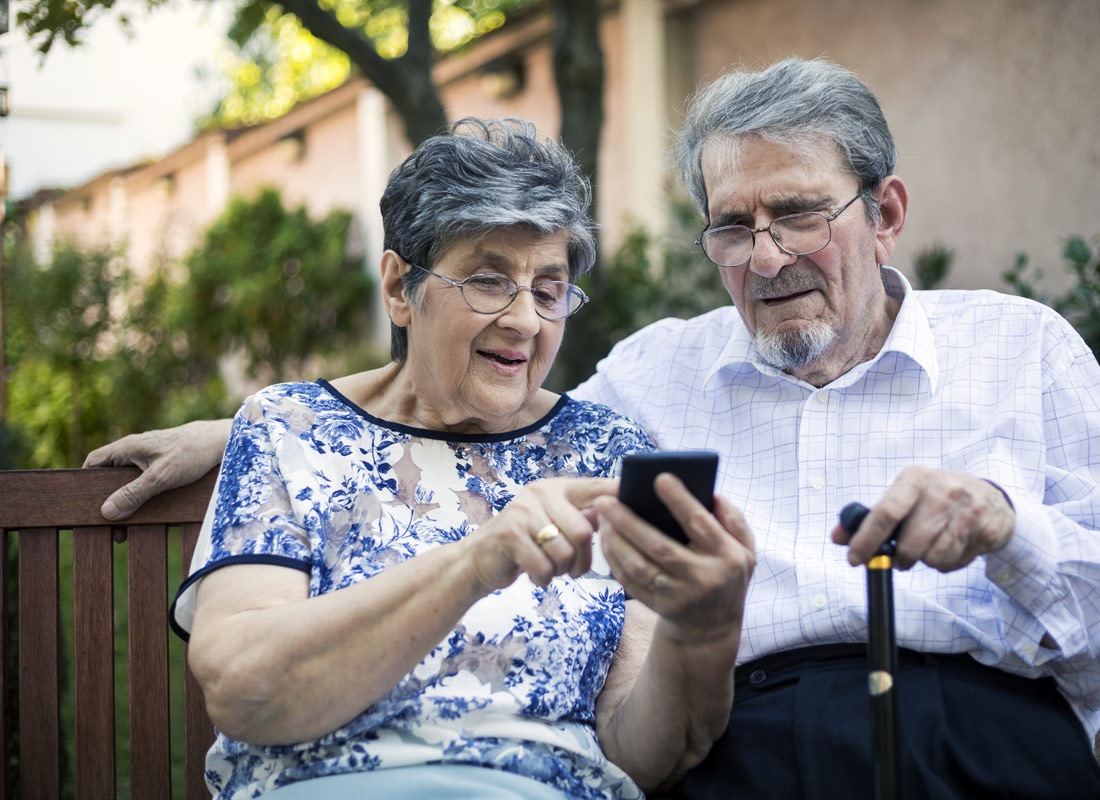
column 1081, row 304
column 96, row 353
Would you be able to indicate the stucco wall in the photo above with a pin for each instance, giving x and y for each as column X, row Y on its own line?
column 993, row 104
column 322, row 175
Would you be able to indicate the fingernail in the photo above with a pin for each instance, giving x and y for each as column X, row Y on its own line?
column 109, row 510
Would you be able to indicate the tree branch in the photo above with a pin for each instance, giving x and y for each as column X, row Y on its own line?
column 406, row 81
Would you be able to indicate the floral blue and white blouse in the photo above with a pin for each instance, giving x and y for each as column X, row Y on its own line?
column 310, row 481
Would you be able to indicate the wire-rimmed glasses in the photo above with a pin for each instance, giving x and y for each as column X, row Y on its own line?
column 492, row 292
column 800, row 234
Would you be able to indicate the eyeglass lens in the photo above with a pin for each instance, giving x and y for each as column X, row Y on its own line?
column 492, row 292
column 797, row 234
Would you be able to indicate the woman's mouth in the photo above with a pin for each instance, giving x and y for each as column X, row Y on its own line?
column 504, row 362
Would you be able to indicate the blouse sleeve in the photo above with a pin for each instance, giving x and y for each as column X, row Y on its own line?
column 250, row 518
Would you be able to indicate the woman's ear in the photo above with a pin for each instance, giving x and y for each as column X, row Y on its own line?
column 394, row 297
column 893, row 205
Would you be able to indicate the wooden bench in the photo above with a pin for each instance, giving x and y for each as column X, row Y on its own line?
column 38, row 509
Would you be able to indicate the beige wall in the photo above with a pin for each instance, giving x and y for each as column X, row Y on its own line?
column 320, row 172
column 993, row 104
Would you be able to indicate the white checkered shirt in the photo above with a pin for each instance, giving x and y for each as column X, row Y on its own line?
column 979, row 382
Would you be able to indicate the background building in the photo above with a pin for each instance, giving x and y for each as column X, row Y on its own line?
column 992, row 103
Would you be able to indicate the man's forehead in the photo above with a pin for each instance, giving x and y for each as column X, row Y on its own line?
column 741, row 169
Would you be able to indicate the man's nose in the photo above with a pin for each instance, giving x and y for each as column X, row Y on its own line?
column 767, row 257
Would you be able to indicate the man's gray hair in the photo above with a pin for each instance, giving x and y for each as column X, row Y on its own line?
column 799, row 104
column 480, row 176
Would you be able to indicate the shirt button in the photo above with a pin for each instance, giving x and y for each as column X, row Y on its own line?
column 1007, row 575
column 1030, row 648
column 757, row 677
column 817, row 481
column 822, row 398
column 818, row 601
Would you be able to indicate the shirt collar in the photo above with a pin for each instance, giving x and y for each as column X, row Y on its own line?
column 910, row 337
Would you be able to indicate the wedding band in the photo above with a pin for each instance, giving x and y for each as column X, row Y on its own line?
column 546, row 533
column 658, row 581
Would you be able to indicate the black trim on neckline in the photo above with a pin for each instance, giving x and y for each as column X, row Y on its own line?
column 427, row 433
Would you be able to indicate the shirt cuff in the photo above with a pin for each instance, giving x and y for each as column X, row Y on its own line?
column 1026, row 570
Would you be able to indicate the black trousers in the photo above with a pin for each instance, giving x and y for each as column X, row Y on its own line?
column 800, row 728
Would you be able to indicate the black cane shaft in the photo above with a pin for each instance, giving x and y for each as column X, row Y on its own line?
column 882, row 658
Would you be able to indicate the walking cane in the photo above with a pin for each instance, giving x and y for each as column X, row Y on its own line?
column 882, row 659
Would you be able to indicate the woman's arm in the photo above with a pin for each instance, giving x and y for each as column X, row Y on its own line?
column 279, row 667
column 670, row 687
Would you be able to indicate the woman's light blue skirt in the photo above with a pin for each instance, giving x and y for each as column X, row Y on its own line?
column 421, row 782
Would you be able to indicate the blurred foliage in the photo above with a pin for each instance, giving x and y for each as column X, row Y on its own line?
column 1081, row 304
column 95, row 353
column 272, row 62
column 931, row 265
column 645, row 280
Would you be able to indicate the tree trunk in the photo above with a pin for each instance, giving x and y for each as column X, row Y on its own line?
column 578, row 71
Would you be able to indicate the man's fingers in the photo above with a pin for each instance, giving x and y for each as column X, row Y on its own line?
column 884, row 518
column 129, row 498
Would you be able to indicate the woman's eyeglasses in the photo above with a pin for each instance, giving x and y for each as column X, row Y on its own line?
column 491, row 293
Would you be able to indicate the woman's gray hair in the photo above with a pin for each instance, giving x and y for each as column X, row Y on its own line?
column 795, row 103
column 480, row 176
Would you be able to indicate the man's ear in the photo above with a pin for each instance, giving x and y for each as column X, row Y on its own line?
column 394, row 297
column 893, row 205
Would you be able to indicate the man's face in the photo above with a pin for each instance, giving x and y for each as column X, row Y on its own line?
column 815, row 316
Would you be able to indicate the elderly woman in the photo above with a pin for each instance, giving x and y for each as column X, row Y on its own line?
column 385, row 601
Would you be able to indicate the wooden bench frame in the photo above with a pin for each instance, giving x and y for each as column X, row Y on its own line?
column 41, row 506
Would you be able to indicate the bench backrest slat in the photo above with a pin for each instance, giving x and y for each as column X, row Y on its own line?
column 37, row 507
column 150, row 727
column 94, row 657
column 39, row 709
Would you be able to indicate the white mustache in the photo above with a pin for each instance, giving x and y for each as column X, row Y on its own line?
column 789, row 280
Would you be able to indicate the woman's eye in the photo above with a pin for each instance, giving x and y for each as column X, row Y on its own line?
column 489, row 283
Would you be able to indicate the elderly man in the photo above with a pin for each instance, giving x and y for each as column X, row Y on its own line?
column 966, row 420
column 963, row 419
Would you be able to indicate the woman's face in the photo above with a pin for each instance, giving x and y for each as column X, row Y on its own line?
column 476, row 372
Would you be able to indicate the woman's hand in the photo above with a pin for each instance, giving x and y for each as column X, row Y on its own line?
column 168, row 458
column 546, row 531
column 668, row 695
column 698, row 590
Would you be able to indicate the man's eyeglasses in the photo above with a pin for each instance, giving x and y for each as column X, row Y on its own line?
column 798, row 234
column 491, row 293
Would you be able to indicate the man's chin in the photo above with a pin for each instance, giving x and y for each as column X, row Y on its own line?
column 794, row 347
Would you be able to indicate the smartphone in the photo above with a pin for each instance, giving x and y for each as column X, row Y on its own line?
column 696, row 468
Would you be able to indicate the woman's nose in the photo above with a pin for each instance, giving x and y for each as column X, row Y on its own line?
column 520, row 314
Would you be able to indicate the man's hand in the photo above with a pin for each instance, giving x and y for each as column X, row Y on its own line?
column 168, row 458
column 947, row 519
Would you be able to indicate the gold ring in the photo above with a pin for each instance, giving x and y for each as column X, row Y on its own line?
column 546, row 533
column 658, row 581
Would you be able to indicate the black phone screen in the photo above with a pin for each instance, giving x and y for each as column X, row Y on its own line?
column 696, row 468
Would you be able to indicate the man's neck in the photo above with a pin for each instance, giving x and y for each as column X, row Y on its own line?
column 845, row 354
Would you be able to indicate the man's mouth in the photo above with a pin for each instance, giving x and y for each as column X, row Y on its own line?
column 774, row 301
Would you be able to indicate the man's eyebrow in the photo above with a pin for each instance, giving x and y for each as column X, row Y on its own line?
column 780, row 206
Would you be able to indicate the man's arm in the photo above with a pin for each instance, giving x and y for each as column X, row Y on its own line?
column 168, row 458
